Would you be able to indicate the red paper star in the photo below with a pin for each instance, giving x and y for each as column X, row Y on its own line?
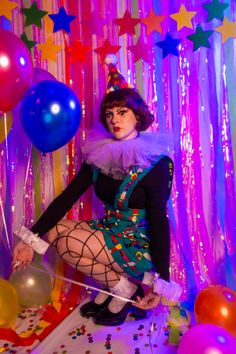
column 107, row 48
column 127, row 23
column 141, row 51
column 94, row 25
column 78, row 52
column 153, row 22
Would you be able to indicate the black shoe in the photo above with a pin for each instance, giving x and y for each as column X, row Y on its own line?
column 91, row 308
column 107, row 318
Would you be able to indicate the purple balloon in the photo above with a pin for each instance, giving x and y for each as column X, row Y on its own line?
column 41, row 75
column 207, row 339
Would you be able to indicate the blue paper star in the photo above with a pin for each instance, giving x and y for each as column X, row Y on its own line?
column 169, row 46
column 61, row 20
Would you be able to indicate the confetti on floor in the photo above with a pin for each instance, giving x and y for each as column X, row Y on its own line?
column 80, row 335
column 76, row 334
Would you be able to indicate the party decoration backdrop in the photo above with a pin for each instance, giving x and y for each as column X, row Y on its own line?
column 180, row 55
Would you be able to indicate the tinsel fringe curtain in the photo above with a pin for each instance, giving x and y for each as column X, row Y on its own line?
column 192, row 95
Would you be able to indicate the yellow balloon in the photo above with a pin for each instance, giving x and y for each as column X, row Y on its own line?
column 9, row 304
column 5, row 126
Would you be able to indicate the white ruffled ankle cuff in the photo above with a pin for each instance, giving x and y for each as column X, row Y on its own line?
column 171, row 291
column 39, row 245
column 123, row 288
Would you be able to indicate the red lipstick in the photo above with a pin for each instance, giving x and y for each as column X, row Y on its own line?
column 116, row 129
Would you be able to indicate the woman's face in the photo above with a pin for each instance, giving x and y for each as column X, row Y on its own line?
column 121, row 122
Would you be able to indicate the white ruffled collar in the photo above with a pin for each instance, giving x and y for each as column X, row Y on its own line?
column 115, row 158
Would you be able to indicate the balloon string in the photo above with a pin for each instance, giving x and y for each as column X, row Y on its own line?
column 6, row 140
column 27, row 168
column 8, row 246
column 151, row 333
column 7, row 242
column 26, row 180
column 83, row 285
column 161, row 320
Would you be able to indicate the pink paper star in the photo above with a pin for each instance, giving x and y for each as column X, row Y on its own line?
column 141, row 51
column 107, row 48
column 94, row 24
column 126, row 23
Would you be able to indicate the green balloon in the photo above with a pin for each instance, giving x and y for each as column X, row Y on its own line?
column 33, row 287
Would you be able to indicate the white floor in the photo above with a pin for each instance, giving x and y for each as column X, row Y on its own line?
column 79, row 335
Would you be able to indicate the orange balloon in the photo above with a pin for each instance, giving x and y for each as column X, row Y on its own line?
column 217, row 305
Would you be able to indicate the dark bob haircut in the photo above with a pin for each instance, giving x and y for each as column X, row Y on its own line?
column 130, row 98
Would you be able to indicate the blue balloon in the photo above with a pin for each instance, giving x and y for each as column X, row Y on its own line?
column 50, row 114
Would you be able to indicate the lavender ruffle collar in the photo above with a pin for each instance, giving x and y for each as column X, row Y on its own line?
column 115, row 158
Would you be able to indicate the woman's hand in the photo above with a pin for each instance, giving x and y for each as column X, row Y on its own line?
column 149, row 301
column 22, row 256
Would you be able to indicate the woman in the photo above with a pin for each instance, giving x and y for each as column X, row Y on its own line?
column 133, row 178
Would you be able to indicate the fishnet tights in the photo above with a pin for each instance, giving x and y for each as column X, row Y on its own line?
column 85, row 249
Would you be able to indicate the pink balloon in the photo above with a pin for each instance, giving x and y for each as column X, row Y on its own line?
column 16, row 70
column 207, row 339
column 41, row 75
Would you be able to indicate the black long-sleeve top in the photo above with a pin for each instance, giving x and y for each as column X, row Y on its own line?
column 151, row 193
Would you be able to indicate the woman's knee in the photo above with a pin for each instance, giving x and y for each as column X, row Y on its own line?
column 62, row 226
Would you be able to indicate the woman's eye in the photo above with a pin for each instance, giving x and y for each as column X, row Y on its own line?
column 122, row 113
column 108, row 115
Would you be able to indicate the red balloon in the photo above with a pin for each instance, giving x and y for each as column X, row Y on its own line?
column 217, row 305
column 16, row 70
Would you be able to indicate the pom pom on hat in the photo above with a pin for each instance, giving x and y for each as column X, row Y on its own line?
column 115, row 80
column 111, row 59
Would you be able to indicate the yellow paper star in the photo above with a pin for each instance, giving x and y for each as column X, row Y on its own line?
column 6, row 8
column 49, row 49
column 227, row 29
column 153, row 22
column 183, row 17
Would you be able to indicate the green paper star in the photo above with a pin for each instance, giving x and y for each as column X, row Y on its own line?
column 200, row 38
column 215, row 10
column 33, row 15
column 29, row 44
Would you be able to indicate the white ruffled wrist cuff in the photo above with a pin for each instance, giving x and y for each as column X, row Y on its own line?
column 171, row 291
column 39, row 245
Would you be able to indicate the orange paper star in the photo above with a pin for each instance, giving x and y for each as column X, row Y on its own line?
column 153, row 22
column 227, row 29
column 6, row 8
column 49, row 49
column 48, row 24
column 183, row 17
